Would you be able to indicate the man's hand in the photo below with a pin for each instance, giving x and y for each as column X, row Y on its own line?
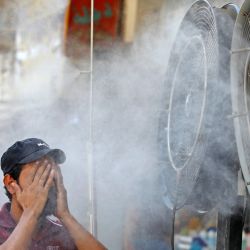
column 34, row 197
column 62, row 209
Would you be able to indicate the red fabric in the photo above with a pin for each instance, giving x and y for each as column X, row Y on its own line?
column 52, row 236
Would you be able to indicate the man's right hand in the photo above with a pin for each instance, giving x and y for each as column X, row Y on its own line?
column 33, row 198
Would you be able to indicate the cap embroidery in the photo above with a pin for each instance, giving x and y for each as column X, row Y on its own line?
column 54, row 220
column 42, row 144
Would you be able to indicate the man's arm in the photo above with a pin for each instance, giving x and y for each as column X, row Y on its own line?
column 21, row 236
column 32, row 200
column 81, row 237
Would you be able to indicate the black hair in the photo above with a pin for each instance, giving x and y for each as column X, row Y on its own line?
column 14, row 173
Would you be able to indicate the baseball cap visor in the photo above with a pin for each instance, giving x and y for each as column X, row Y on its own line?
column 57, row 154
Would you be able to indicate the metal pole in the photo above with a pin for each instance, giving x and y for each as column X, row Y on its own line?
column 230, row 226
column 240, row 50
column 91, row 179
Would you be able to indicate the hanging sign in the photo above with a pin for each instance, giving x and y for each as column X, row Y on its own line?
column 106, row 20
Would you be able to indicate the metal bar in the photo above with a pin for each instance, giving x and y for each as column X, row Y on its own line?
column 178, row 176
column 240, row 50
column 230, row 226
column 236, row 225
column 92, row 201
column 235, row 115
column 223, row 230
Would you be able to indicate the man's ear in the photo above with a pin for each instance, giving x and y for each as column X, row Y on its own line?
column 8, row 180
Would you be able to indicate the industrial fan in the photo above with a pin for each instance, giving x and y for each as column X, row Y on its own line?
column 240, row 75
column 196, row 137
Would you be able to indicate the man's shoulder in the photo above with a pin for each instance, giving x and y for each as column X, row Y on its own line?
column 5, row 207
column 6, row 221
column 7, row 224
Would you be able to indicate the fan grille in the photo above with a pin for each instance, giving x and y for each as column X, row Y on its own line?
column 187, row 120
column 240, row 74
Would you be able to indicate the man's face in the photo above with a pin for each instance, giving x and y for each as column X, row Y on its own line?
column 26, row 177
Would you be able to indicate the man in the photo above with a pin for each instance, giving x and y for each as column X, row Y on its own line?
column 34, row 185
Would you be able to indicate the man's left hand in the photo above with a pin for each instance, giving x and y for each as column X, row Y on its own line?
column 62, row 209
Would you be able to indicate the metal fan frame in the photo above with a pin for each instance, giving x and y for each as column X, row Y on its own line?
column 195, row 184
column 240, row 70
column 204, row 21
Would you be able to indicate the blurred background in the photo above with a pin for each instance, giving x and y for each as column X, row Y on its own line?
column 101, row 107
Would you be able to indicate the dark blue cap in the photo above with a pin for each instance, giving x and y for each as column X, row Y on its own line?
column 28, row 150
